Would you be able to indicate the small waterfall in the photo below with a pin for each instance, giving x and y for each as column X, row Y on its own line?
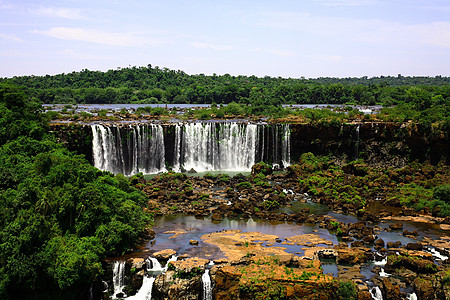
column 357, row 141
column 206, row 283
column 383, row 273
column 411, row 296
column 153, row 264
column 286, row 146
column 376, row 293
column 145, row 292
column 118, row 276
column 172, row 258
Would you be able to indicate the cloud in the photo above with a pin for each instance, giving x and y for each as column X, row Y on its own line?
column 84, row 56
column 326, row 58
column 277, row 52
column 211, row 46
column 10, row 37
column 368, row 31
column 60, row 12
column 100, row 37
column 347, row 2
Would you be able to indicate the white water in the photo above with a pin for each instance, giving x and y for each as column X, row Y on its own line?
column 383, row 273
column 118, row 276
column 145, row 292
column 411, row 296
column 381, row 262
column 286, row 146
column 139, row 149
column 216, row 146
column 376, row 293
column 200, row 146
column 153, row 265
column 206, row 283
column 436, row 253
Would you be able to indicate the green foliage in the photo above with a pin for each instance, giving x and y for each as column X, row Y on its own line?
column 244, row 185
column 59, row 216
column 347, row 291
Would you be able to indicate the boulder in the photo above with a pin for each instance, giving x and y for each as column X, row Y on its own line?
column 164, row 254
column 193, row 242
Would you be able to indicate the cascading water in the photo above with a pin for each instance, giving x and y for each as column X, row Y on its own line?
column 118, row 276
column 376, row 293
column 206, row 283
column 286, row 146
column 145, row 292
column 208, row 146
column 129, row 150
column 153, row 265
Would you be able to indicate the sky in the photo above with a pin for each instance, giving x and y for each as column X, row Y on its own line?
column 287, row 38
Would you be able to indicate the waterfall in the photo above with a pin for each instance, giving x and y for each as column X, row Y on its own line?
column 357, row 142
column 411, row 296
column 202, row 146
column 376, row 293
column 153, row 265
column 216, row 146
column 118, row 276
column 129, row 150
column 286, row 146
column 206, row 283
column 145, row 292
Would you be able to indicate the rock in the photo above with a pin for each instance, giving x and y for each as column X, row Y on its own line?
column 414, row 246
column 379, row 243
column 364, row 295
column 137, row 263
column 217, row 217
column 326, row 253
column 192, row 171
column 390, row 291
column 164, row 254
column 261, row 167
column 396, row 226
column 193, row 242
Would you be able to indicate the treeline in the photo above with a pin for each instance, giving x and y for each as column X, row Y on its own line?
column 150, row 85
column 59, row 216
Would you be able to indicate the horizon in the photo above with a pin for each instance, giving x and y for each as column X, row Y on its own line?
column 288, row 39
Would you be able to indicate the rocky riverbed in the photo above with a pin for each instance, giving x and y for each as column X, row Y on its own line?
column 260, row 236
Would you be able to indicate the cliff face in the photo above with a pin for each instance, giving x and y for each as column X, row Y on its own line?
column 379, row 144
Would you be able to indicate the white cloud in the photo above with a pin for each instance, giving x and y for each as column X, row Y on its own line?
column 277, row 52
column 353, row 30
column 10, row 37
column 326, row 58
column 436, row 33
column 347, row 2
column 84, row 56
column 100, row 37
column 211, row 46
column 60, row 12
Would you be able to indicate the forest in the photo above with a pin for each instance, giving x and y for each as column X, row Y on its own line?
column 150, row 85
column 59, row 216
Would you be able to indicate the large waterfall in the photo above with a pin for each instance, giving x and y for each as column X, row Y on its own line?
column 202, row 146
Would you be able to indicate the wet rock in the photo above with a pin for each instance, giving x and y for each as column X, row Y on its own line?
column 193, row 242
column 327, row 253
column 164, row 254
column 396, row 226
column 414, row 246
column 357, row 244
column 410, row 233
column 192, row 171
column 217, row 217
column 389, row 291
column 379, row 243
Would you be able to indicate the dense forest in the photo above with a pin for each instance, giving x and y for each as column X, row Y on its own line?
column 161, row 85
column 59, row 216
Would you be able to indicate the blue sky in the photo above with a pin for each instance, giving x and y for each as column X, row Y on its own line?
column 287, row 38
